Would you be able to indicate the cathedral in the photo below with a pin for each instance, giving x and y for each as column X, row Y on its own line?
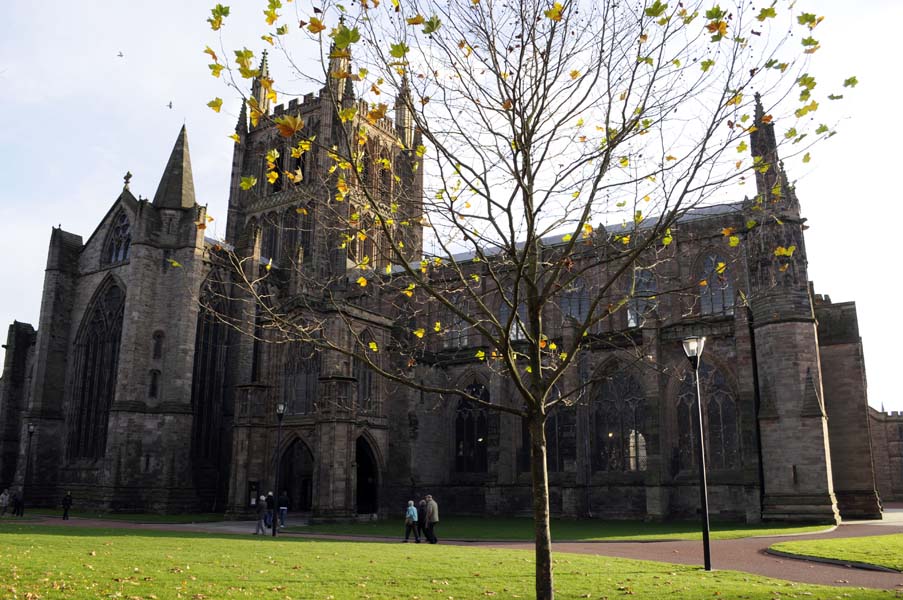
column 135, row 394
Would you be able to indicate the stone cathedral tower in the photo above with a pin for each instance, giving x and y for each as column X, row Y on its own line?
column 792, row 417
column 334, row 438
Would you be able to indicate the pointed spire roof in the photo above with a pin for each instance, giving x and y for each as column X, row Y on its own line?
column 176, row 189
column 241, row 127
column 264, row 66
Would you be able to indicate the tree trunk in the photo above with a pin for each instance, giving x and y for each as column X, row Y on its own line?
column 543, row 533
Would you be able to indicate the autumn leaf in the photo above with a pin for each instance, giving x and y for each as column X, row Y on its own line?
column 670, row 157
column 234, row 137
column 733, row 241
column 215, row 69
column 766, row 13
column 289, row 125
column 432, row 25
column 398, row 50
column 272, row 176
column 555, row 12
column 720, row 268
column 706, row 65
column 373, row 347
column 419, row 332
column 667, row 239
column 377, row 112
column 209, row 50
column 480, row 355
column 657, row 9
column 742, row 146
column 248, row 182
column 362, row 281
column 174, row 263
column 316, row 25
column 437, row 327
column 215, row 104
column 416, row 20
column 624, row 161
column 344, row 37
column 850, row 82
column 575, row 74
column 727, row 231
column 218, row 12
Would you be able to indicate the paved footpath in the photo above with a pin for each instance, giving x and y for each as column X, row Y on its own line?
column 746, row 554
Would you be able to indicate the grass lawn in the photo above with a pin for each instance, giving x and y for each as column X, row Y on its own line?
column 474, row 528
column 59, row 562
column 881, row 550
column 129, row 517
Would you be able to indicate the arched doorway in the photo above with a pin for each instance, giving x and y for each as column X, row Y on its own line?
column 296, row 476
column 367, row 478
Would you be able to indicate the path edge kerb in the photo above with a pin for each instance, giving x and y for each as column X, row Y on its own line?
column 831, row 561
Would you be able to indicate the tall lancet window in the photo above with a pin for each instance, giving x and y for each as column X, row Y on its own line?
column 96, row 359
column 301, row 379
column 472, row 432
column 119, row 240
column 716, row 292
column 719, row 411
column 209, row 373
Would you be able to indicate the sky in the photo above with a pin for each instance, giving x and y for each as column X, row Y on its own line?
column 78, row 116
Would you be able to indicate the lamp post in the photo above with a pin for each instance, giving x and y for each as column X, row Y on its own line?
column 31, row 430
column 280, row 412
column 693, row 349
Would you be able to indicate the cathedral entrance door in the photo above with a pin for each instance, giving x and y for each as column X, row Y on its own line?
column 367, row 478
column 296, row 476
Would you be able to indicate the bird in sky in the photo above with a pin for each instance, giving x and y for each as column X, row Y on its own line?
column 170, row 105
column 121, row 55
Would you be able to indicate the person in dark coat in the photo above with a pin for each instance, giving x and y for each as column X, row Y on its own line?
column 421, row 518
column 67, row 504
column 271, row 510
column 18, row 505
column 261, row 516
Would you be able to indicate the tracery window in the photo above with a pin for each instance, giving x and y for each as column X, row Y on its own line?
column 472, row 432
column 518, row 326
column 367, row 392
column 119, row 241
column 561, row 440
column 456, row 331
column 301, row 379
column 720, row 418
column 619, row 422
column 208, row 381
column 716, row 292
column 642, row 297
column 269, row 236
column 96, row 360
column 575, row 300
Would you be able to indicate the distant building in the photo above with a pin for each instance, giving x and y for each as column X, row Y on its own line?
column 142, row 399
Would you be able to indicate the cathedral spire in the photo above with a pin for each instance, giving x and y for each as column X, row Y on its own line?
column 260, row 86
column 176, row 189
column 771, row 179
column 404, row 120
column 241, row 127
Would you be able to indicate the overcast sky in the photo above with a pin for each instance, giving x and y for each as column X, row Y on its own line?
column 77, row 117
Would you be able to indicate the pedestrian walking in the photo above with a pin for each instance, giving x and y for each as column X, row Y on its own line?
column 261, row 516
column 421, row 519
column 67, row 504
column 410, row 523
column 283, row 508
column 18, row 505
column 432, row 519
column 4, row 502
column 271, row 510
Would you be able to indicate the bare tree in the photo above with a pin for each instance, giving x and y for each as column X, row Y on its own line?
column 519, row 128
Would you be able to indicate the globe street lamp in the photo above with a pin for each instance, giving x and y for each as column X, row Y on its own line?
column 280, row 412
column 31, row 430
column 693, row 349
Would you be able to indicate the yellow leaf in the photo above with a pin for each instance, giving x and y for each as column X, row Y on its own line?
column 215, row 104
column 563, row 356
column 272, row 176
column 727, row 231
column 362, row 281
column 377, row 112
column 315, row 25
column 480, row 355
column 566, row 237
column 554, row 13
column 419, row 332
column 174, row 262
column 575, row 74
column 624, row 161
column 669, row 157
column 373, row 347
column 416, row 20
column 215, row 69
column 720, row 268
column 733, row 241
column 267, row 38
column 703, row 283
column 209, row 50
column 234, row 137
column 529, row 369
column 553, row 346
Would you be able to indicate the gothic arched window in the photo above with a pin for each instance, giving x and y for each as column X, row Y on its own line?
column 119, row 241
column 619, row 423
column 575, row 300
column 208, row 381
column 268, row 236
column 716, row 292
column 472, row 432
column 367, row 391
column 720, row 418
column 642, row 297
column 302, row 377
column 561, row 440
column 96, row 361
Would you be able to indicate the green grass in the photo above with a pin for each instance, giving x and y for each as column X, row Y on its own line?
column 521, row 529
column 128, row 517
column 881, row 550
column 51, row 562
